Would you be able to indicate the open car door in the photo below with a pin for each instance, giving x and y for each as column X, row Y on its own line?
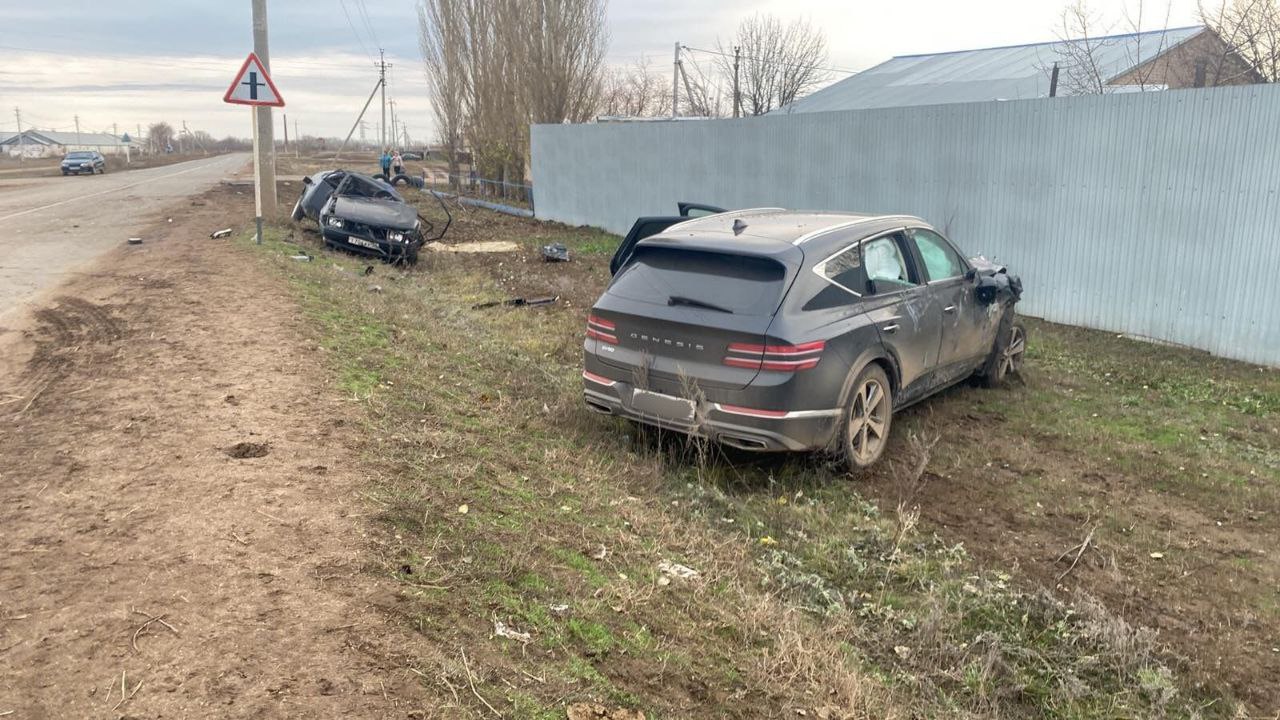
column 647, row 226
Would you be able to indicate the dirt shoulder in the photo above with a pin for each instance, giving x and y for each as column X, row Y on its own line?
column 137, row 549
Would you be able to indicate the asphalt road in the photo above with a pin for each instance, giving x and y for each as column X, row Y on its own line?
column 51, row 228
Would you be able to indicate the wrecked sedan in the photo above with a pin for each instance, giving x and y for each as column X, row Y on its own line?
column 365, row 215
column 774, row 330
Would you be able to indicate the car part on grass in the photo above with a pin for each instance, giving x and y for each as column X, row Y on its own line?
column 800, row 331
column 484, row 246
column 366, row 215
column 517, row 302
column 220, row 233
column 301, row 257
column 406, row 179
column 135, row 241
column 555, row 252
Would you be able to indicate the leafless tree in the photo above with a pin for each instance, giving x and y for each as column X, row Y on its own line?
column 1083, row 38
column 1252, row 30
column 636, row 91
column 495, row 66
column 1086, row 41
column 160, row 136
column 778, row 63
column 442, row 40
column 566, row 41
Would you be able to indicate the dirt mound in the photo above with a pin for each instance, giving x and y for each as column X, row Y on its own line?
column 242, row 450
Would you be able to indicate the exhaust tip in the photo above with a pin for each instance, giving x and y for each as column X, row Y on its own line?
column 602, row 409
column 743, row 443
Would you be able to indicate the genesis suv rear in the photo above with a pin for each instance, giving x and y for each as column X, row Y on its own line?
column 778, row 330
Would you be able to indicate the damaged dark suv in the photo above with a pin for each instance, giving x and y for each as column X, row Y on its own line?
column 365, row 215
column 778, row 330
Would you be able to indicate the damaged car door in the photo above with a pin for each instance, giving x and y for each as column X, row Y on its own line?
column 967, row 326
column 647, row 226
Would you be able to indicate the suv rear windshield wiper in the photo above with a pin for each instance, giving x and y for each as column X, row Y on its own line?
column 691, row 302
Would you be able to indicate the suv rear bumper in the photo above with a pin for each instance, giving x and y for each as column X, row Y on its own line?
column 746, row 429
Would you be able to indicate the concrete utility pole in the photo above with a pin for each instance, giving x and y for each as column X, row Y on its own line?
column 265, row 160
column 22, row 140
column 675, row 85
column 392, row 103
column 382, row 84
column 285, row 118
column 737, row 53
column 77, row 129
column 296, row 136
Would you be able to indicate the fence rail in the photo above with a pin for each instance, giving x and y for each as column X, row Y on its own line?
column 1153, row 214
column 511, row 193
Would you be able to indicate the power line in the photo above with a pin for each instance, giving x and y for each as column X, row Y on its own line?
column 353, row 29
column 364, row 13
column 774, row 62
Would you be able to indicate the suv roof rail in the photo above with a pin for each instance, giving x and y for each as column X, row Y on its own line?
column 728, row 214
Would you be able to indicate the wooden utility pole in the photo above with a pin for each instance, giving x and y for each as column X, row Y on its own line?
column 264, row 161
column 296, row 136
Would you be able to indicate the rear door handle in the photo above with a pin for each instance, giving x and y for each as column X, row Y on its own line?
column 949, row 309
column 890, row 328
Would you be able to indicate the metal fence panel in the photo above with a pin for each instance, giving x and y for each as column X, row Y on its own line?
column 1152, row 214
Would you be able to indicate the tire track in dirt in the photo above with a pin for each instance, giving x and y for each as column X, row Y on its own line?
column 118, row 502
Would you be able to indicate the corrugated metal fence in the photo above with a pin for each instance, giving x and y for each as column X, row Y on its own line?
column 1153, row 214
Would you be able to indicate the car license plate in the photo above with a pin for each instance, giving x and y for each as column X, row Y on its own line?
column 362, row 242
column 662, row 406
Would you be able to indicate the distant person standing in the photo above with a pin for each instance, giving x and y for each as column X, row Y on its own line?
column 385, row 161
column 397, row 163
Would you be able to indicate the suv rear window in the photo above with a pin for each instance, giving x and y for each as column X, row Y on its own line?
column 744, row 285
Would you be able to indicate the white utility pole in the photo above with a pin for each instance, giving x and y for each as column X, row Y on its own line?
column 22, row 140
column 675, row 85
column 77, row 130
column 382, row 84
column 264, row 164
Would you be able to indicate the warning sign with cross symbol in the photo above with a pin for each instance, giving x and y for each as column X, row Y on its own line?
column 253, row 86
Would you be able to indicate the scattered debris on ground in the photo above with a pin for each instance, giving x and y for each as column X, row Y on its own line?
column 216, row 234
column 517, row 302
column 555, row 252
column 135, row 241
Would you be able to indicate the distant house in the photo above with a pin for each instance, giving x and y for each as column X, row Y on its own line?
column 50, row 143
column 1157, row 60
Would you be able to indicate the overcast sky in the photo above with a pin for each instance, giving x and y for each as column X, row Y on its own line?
column 133, row 62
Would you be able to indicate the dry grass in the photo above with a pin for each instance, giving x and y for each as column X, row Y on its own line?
column 808, row 596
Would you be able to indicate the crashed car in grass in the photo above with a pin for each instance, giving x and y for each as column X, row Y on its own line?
column 365, row 215
column 776, row 330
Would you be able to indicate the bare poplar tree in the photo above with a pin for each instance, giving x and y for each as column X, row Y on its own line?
column 1251, row 28
column 442, row 40
column 778, row 63
column 495, row 66
column 566, row 41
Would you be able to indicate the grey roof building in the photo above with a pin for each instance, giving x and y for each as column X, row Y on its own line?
column 1160, row 59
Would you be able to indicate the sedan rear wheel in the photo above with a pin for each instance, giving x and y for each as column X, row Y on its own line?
column 867, row 418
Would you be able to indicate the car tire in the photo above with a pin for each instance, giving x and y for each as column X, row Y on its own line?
column 868, row 415
column 1006, row 353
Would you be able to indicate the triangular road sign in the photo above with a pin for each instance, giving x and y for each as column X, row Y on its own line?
column 253, row 86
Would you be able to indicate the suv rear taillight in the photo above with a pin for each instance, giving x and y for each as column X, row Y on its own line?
column 782, row 358
column 602, row 330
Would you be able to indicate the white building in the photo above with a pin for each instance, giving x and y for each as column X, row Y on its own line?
column 50, row 143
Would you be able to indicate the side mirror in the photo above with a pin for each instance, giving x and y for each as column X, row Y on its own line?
column 970, row 274
column 306, row 180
